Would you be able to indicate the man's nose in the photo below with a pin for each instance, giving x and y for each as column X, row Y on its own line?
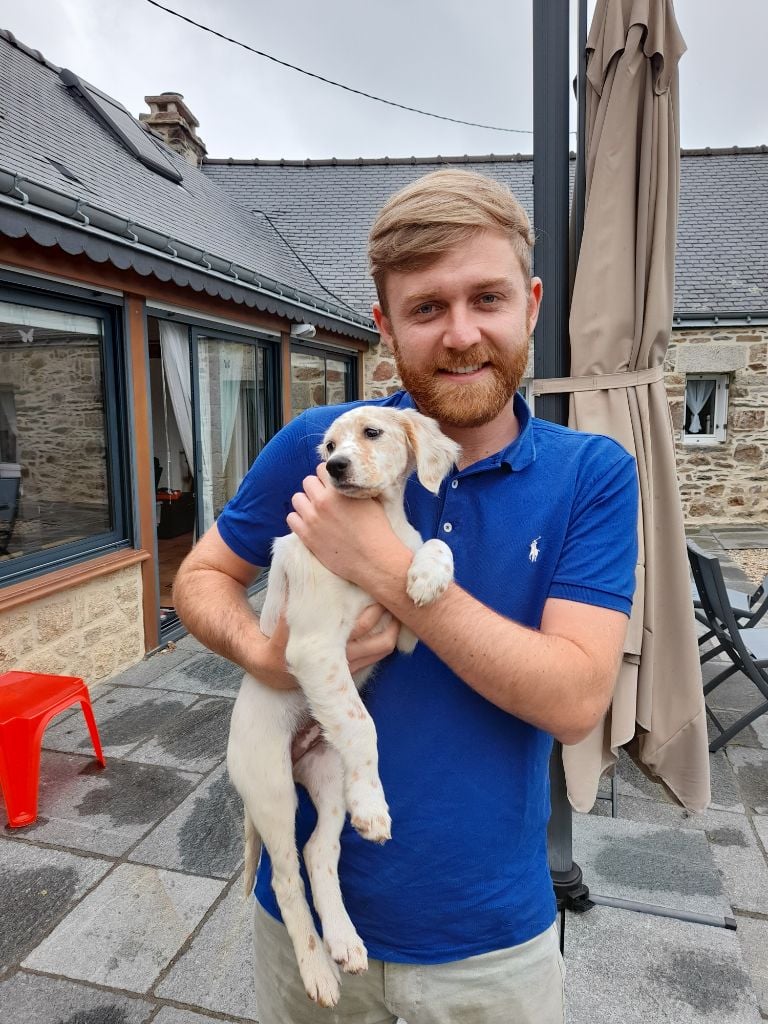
column 462, row 330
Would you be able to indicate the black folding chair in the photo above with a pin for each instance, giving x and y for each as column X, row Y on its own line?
column 746, row 647
column 748, row 609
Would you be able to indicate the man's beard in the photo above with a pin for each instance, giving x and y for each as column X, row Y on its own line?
column 468, row 404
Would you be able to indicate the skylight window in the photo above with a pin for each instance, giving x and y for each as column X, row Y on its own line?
column 124, row 125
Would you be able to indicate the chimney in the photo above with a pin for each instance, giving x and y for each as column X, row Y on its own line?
column 171, row 118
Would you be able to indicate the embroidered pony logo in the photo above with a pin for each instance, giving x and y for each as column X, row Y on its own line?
column 533, row 554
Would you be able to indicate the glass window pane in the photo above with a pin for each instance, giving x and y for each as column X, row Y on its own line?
column 307, row 381
column 336, row 378
column 229, row 415
column 54, row 479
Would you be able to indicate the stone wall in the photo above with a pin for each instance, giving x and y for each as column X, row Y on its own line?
column 60, row 417
column 94, row 630
column 727, row 482
column 724, row 483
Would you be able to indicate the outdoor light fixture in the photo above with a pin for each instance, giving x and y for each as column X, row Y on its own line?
column 303, row 331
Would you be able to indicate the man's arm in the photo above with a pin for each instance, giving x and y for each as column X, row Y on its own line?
column 210, row 597
column 559, row 678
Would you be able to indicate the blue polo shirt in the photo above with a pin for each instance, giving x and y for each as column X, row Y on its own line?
column 552, row 515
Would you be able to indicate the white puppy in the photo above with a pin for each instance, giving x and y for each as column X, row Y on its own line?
column 369, row 452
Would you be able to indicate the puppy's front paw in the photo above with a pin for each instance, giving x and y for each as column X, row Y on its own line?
column 430, row 573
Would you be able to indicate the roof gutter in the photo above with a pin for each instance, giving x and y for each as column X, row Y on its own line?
column 736, row 318
column 32, row 199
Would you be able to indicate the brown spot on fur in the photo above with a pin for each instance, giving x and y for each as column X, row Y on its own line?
column 311, row 943
column 355, row 776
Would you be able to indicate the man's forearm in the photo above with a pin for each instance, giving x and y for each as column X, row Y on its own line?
column 543, row 679
column 215, row 609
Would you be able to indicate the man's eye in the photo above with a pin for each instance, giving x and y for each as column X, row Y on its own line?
column 488, row 300
column 373, row 432
column 330, row 447
column 425, row 308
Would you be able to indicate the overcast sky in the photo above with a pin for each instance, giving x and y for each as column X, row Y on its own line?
column 469, row 59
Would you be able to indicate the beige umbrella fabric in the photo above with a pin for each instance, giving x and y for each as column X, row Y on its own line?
column 620, row 325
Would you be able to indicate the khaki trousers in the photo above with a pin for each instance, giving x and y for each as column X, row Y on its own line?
column 520, row 985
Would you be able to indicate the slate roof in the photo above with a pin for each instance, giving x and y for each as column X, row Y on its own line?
column 296, row 231
column 325, row 209
column 44, row 124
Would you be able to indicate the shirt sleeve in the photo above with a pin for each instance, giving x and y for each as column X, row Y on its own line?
column 256, row 515
column 599, row 555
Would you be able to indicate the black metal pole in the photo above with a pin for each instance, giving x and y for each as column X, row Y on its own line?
column 551, row 344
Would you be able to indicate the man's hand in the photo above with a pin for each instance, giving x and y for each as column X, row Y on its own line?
column 373, row 637
column 350, row 536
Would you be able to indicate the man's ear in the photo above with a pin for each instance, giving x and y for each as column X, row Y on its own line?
column 383, row 323
column 433, row 451
column 534, row 302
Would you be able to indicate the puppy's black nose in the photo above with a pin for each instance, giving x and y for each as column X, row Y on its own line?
column 337, row 466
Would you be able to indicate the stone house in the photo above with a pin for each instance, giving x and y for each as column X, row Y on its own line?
column 162, row 314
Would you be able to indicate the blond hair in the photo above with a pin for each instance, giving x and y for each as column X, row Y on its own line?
column 438, row 211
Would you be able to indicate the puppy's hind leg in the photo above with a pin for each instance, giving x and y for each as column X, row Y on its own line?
column 265, row 782
column 320, row 772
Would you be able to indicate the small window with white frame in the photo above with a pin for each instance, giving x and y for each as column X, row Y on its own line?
column 706, row 408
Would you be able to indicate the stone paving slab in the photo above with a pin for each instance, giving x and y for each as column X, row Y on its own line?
column 735, row 694
column 126, row 716
column 39, row 886
column 159, row 664
column 125, row 932
column 105, row 810
column 725, row 791
column 760, row 823
column 35, row 999
column 203, row 836
column 649, row 864
column 216, row 972
column 203, row 674
column 753, row 939
column 639, row 969
column 195, row 738
column 754, row 735
column 172, row 1015
column 751, row 769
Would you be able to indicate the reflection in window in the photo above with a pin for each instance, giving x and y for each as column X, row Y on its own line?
column 54, row 473
column 232, row 417
column 706, row 408
column 318, row 378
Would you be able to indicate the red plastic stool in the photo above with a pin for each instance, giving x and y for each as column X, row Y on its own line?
column 28, row 701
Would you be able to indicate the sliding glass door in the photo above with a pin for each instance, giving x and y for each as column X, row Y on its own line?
column 237, row 409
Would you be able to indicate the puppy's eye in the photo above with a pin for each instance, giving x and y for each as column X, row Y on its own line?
column 373, row 432
column 330, row 447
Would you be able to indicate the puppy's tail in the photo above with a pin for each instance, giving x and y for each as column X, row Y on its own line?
column 252, row 852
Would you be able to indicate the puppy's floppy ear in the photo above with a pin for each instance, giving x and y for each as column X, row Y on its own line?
column 433, row 451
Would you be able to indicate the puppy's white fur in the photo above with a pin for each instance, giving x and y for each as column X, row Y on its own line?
column 381, row 447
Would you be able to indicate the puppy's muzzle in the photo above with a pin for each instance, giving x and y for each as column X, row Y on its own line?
column 338, row 467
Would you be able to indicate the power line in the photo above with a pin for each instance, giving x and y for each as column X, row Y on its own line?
column 309, row 270
column 339, row 85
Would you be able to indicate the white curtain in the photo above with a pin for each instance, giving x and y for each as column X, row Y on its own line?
column 231, row 358
column 174, row 349
column 697, row 393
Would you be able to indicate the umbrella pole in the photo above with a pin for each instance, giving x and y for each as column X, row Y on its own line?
column 551, row 345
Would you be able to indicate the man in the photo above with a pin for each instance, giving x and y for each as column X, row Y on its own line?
column 457, row 909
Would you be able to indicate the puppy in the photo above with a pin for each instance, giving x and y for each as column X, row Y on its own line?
column 370, row 453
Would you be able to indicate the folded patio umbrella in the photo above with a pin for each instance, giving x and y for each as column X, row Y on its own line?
column 620, row 325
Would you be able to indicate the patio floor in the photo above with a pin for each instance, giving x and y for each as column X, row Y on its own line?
column 123, row 903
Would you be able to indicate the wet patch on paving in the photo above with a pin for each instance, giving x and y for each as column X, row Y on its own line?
column 196, row 739
column 727, row 837
column 656, row 866
column 35, row 999
column 203, row 836
column 705, row 981
column 38, row 887
column 152, row 793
